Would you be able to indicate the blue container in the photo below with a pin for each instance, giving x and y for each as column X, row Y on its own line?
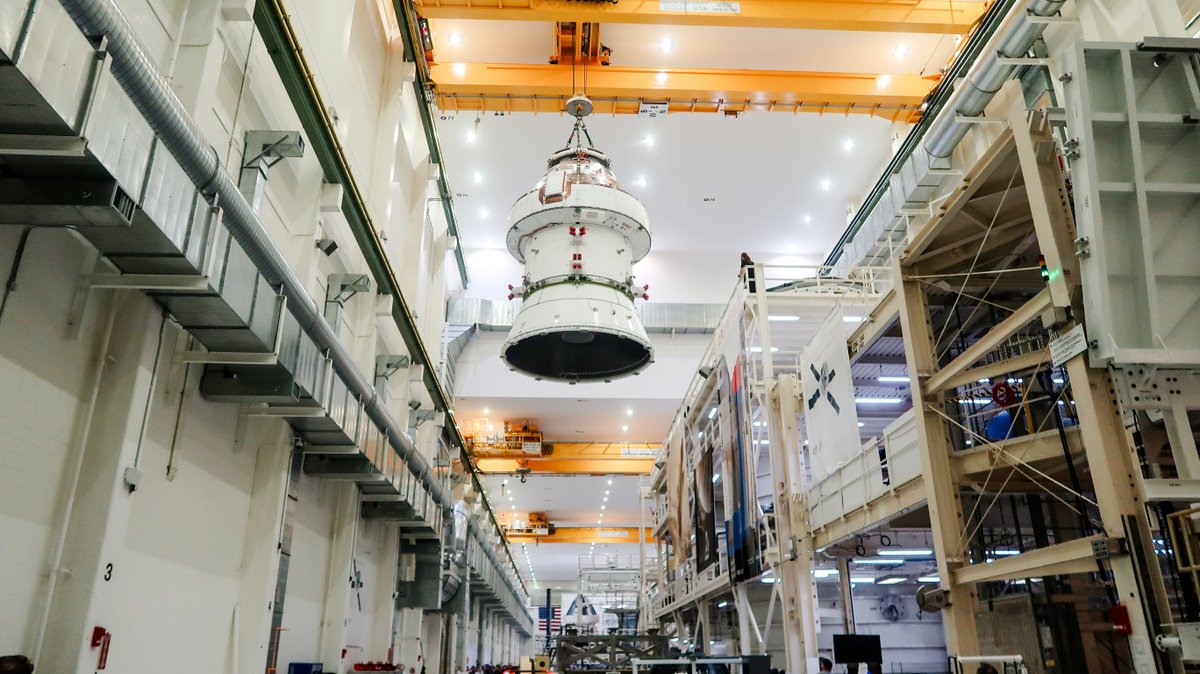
column 305, row 668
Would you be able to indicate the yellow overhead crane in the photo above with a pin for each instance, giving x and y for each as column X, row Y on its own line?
column 945, row 17
column 538, row 529
column 576, row 459
column 521, row 450
column 509, row 87
column 544, row 87
column 583, row 535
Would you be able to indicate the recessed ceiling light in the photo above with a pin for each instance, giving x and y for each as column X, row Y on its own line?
column 660, row 77
column 454, row 39
column 483, row 212
column 478, row 177
column 648, row 141
column 957, row 39
column 602, row 506
column 471, row 136
column 848, row 145
column 808, row 219
column 882, row 82
column 641, row 181
column 825, row 184
column 485, row 413
column 610, row 481
column 460, row 69
column 861, row 424
column 625, row 429
column 666, row 44
column 900, row 51
column 629, row 412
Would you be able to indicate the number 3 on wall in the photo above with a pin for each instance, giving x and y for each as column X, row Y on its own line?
column 108, row 572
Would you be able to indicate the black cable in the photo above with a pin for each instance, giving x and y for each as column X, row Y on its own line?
column 1085, row 525
column 11, row 284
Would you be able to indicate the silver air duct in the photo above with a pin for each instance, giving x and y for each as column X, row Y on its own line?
column 578, row 234
column 986, row 78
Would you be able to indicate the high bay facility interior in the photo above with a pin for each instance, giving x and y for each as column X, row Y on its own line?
column 591, row 336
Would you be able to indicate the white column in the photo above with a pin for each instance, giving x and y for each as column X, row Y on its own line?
column 260, row 555
column 431, row 658
column 451, row 641
column 341, row 566
column 408, row 639
column 379, row 646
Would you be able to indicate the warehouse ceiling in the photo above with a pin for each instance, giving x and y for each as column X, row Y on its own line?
column 796, row 107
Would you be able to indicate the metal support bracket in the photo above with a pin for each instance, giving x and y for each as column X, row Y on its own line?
column 1023, row 61
column 227, row 358
column 149, row 281
column 1050, row 20
column 38, row 145
column 1176, row 45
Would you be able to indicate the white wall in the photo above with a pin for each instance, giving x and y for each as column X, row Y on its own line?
column 182, row 569
column 46, row 379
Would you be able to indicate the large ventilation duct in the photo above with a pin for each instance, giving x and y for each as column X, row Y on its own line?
column 985, row 80
column 578, row 234
column 150, row 92
column 908, row 181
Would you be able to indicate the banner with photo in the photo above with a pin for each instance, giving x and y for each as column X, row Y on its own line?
column 831, row 419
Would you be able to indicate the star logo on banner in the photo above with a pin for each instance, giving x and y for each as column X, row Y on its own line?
column 824, row 377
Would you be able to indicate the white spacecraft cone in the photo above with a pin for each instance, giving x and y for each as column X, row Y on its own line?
column 578, row 234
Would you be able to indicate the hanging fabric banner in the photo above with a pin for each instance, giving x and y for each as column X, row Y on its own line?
column 831, row 419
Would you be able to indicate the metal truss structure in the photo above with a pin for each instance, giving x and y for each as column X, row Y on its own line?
column 1041, row 307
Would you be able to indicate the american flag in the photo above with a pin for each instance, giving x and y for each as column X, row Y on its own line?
column 554, row 613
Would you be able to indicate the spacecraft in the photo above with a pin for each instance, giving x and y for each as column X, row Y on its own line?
column 578, row 234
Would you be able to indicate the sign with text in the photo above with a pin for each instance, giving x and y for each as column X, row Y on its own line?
column 1068, row 345
column 700, row 6
column 648, row 109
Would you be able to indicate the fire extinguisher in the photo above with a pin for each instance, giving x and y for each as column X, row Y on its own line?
column 101, row 638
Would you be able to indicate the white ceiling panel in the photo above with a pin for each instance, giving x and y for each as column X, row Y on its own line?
column 766, row 183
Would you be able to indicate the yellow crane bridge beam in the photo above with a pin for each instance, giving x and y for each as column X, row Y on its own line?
column 551, row 465
column 513, row 87
column 584, row 535
column 906, row 16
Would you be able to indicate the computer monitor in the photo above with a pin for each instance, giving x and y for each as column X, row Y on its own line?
column 854, row 648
